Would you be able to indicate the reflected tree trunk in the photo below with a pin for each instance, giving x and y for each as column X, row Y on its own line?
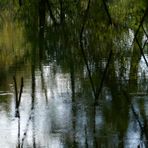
column 51, row 12
column 118, row 114
column 72, row 76
column 62, row 15
column 41, row 55
column 43, row 81
column 33, row 93
column 33, row 131
column 20, row 2
column 95, row 143
column 33, row 103
column 135, row 59
column 42, row 10
column 145, row 122
column 19, row 143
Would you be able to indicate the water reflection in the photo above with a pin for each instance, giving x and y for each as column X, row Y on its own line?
column 61, row 86
column 56, row 111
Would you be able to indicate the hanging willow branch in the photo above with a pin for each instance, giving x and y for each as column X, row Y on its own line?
column 82, row 48
column 51, row 13
column 103, row 78
column 107, row 12
column 141, row 50
column 95, row 92
column 135, row 37
column 145, row 32
column 109, row 58
column 141, row 23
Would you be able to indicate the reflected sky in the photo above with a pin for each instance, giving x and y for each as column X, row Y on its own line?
column 50, row 122
column 57, row 107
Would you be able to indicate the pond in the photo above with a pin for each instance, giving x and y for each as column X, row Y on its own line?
column 84, row 82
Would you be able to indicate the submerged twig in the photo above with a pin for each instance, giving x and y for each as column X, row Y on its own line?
column 19, row 144
column 32, row 106
column 16, row 93
column 21, row 90
column 17, row 98
column 86, row 140
column 26, row 129
column 136, row 115
column 28, row 121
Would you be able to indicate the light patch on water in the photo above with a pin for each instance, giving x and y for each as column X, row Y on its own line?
column 63, row 83
column 130, row 38
column 122, row 68
column 126, row 42
column 133, row 136
column 43, row 119
column 143, row 69
column 5, row 93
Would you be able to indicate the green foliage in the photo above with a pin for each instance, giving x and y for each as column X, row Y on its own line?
column 127, row 13
column 99, row 36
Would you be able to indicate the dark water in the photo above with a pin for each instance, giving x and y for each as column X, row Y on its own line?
column 66, row 68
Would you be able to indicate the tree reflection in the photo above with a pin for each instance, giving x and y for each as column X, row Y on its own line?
column 91, row 41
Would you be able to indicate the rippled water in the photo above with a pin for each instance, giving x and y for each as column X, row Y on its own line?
column 45, row 116
column 49, row 117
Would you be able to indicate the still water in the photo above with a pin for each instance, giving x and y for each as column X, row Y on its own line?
column 53, row 116
column 85, row 83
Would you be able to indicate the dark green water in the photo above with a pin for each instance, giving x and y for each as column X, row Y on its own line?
column 85, row 77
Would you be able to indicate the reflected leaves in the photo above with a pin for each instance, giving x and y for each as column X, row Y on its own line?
column 77, row 43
